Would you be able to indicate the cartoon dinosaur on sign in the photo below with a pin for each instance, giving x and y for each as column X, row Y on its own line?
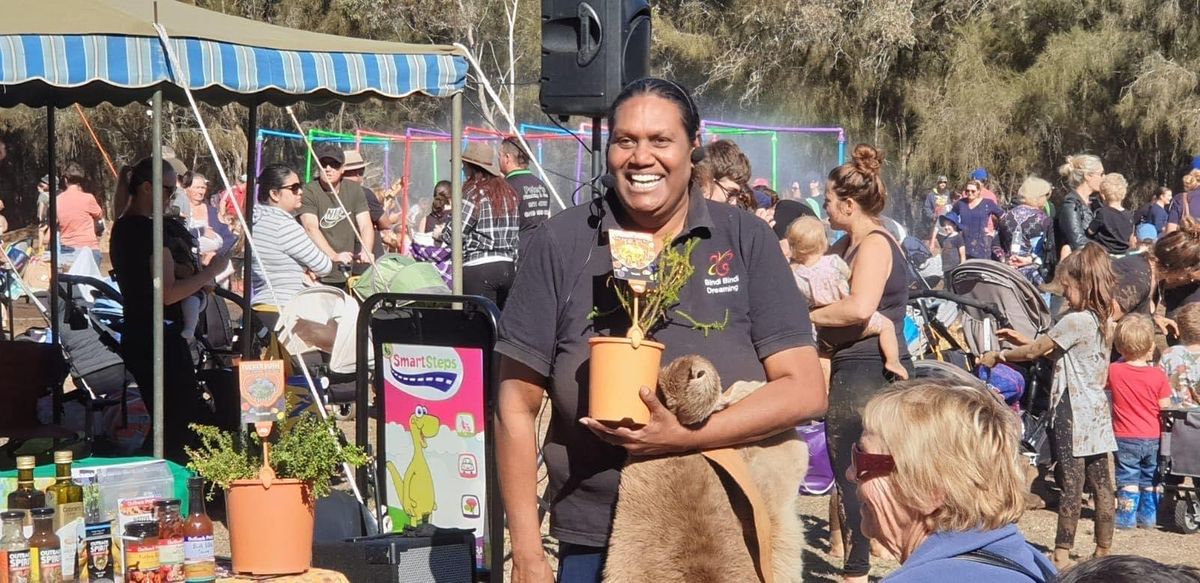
column 415, row 490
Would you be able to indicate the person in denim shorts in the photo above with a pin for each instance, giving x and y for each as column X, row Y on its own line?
column 1139, row 390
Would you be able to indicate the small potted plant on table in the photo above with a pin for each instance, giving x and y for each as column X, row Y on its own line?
column 270, row 492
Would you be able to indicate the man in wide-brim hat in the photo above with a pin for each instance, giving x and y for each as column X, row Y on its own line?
column 354, row 169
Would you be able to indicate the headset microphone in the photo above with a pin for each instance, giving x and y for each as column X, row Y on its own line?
column 608, row 181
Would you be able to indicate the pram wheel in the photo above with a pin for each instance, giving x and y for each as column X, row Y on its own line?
column 1187, row 514
column 342, row 411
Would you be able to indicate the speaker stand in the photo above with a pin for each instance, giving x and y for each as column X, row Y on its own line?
column 597, row 157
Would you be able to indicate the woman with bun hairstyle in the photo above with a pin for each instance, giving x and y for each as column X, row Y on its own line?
column 1083, row 172
column 855, row 197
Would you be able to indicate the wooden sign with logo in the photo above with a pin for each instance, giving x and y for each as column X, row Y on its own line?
column 634, row 259
column 262, row 388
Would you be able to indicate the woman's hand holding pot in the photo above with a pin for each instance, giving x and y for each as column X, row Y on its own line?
column 664, row 434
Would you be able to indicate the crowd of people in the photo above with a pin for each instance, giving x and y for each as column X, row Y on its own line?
column 815, row 308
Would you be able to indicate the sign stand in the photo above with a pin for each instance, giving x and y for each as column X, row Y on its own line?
column 435, row 387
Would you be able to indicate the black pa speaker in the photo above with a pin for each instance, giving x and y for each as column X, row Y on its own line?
column 443, row 555
column 590, row 50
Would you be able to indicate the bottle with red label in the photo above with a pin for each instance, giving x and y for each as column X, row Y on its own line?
column 46, row 548
column 199, row 561
column 170, row 541
column 15, row 559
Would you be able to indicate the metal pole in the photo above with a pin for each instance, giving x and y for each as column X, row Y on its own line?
column 259, row 155
column 387, row 164
column 252, row 161
column 156, row 271
column 775, row 160
column 52, row 221
column 407, row 159
column 435, row 159
column 52, row 210
column 841, row 148
column 308, row 169
column 456, row 218
column 578, row 168
column 597, row 158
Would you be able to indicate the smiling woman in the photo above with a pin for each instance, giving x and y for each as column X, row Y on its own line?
column 567, row 265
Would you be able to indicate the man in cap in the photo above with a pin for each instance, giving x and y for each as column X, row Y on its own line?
column 532, row 195
column 355, row 170
column 327, row 223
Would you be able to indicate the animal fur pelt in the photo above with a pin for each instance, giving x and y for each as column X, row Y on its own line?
column 680, row 520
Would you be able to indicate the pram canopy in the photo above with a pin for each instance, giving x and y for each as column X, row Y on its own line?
column 1003, row 287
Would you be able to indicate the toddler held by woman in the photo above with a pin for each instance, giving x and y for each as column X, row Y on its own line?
column 825, row 279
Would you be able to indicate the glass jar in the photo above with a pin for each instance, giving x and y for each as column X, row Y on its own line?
column 141, row 552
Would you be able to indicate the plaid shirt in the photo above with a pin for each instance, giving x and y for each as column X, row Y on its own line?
column 487, row 232
column 437, row 255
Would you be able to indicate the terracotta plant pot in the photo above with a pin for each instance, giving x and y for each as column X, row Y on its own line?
column 618, row 371
column 270, row 529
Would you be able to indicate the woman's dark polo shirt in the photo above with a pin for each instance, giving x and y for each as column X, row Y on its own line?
column 564, row 275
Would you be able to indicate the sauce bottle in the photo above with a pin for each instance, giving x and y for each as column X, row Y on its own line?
column 26, row 497
column 45, row 547
column 15, row 559
column 199, row 561
column 170, row 541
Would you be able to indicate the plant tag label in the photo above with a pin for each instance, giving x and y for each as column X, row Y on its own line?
column 634, row 259
column 262, row 387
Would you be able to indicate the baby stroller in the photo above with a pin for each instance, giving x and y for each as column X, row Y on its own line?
column 92, row 318
column 960, row 324
column 1179, row 460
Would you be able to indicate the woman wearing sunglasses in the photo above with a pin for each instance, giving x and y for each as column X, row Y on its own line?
column 941, row 481
column 291, row 259
column 976, row 214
